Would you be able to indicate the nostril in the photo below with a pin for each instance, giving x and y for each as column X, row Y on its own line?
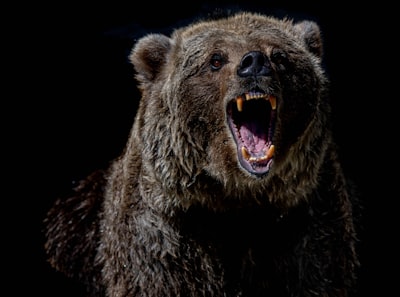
column 247, row 61
column 254, row 63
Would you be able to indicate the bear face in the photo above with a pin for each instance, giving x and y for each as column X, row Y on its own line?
column 240, row 101
column 230, row 183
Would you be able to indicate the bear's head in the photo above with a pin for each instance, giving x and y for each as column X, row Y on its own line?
column 235, row 105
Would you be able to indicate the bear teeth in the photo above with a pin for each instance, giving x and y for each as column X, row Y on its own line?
column 249, row 96
column 267, row 156
column 272, row 100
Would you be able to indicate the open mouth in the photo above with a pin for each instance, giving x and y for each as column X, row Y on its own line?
column 252, row 119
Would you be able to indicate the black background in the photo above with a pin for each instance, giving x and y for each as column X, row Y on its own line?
column 74, row 99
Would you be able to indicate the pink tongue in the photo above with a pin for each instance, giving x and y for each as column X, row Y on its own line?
column 253, row 139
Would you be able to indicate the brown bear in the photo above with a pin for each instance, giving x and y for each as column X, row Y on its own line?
column 230, row 183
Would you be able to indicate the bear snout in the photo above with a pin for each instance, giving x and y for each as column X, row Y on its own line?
column 254, row 63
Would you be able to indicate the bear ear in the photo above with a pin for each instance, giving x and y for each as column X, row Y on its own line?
column 310, row 32
column 148, row 56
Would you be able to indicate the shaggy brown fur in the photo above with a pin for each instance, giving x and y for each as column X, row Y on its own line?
column 218, row 193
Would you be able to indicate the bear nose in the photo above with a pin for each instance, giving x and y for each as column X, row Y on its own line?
column 254, row 63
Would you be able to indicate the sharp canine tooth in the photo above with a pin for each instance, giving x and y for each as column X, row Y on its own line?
column 245, row 153
column 271, row 151
column 272, row 100
column 239, row 103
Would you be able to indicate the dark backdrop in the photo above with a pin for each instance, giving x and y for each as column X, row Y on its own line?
column 78, row 100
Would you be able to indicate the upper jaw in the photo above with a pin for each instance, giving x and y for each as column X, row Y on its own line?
column 251, row 95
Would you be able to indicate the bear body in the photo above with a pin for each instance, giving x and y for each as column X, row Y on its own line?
column 230, row 183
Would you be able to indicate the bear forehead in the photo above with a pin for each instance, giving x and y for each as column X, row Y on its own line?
column 241, row 32
column 242, row 25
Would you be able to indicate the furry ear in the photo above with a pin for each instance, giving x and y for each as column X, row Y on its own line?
column 310, row 32
column 148, row 55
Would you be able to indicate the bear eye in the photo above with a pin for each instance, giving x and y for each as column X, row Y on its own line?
column 279, row 57
column 216, row 62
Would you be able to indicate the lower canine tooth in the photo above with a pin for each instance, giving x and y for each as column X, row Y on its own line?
column 245, row 153
column 271, row 151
